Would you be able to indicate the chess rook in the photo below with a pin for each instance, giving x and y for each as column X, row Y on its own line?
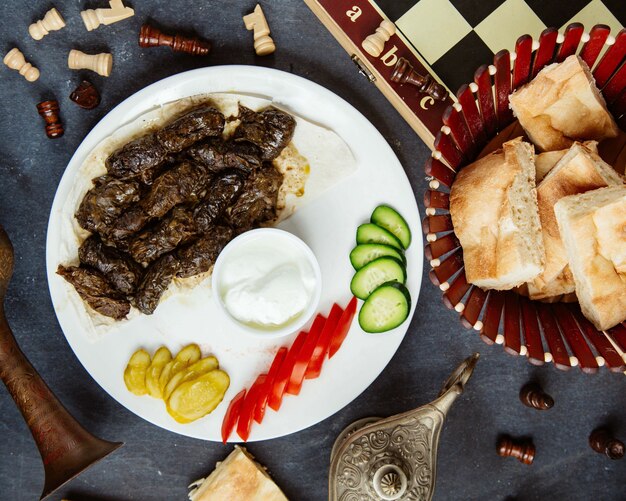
column 603, row 442
column 256, row 21
column 49, row 111
column 102, row 64
column 403, row 72
column 375, row 43
column 86, row 95
column 522, row 451
column 93, row 18
column 533, row 396
column 16, row 61
column 149, row 36
column 52, row 21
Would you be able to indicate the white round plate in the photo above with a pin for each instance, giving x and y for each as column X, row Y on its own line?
column 327, row 224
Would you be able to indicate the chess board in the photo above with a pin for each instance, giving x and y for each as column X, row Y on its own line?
column 450, row 39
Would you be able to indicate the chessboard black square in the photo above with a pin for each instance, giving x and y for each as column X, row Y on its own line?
column 618, row 9
column 555, row 13
column 457, row 66
column 395, row 9
column 474, row 11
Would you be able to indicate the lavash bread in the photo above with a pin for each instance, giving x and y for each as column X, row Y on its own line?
column 579, row 170
column 596, row 251
column 493, row 205
column 237, row 478
column 562, row 105
column 544, row 162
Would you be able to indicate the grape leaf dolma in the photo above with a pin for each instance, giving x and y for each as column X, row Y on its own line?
column 171, row 201
column 96, row 291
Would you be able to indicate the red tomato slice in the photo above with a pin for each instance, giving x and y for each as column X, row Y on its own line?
column 321, row 347
column 284, row 373
column 264, row 392
column 247, row 408
column 304, row 356
column 232, row 415
column 343, row 326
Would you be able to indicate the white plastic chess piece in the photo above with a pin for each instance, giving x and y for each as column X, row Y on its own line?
column 52, row 21
column 102, row 64
column 16, row 61
column 375, row 43
column 263, row 43
column 95, row 17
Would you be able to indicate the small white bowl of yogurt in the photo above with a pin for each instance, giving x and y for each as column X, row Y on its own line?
column 268, row 282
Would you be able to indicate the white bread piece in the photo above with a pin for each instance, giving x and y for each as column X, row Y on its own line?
column 578, row 171
column 493, row 205
column 601, row 290
column 562, row 105
column 610, row 222
column 544, row 162
column 237, row 478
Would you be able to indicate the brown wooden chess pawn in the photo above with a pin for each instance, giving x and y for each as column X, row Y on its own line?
column 404, row 73
column 149, row 36
column 603, row 442
column 533, row 396
column 86, row 95
column 523, row 451
column 49, row 111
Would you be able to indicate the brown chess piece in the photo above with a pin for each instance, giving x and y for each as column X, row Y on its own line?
column 149, row 36
column 533, row 396
column 403, row 72
column 523, row 451
column 86, row 95
column 603, row 442
column 49, row 111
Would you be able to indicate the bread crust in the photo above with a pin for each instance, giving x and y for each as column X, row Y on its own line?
column 562, row 105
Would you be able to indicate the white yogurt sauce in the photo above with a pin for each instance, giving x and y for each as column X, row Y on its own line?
column 267, row 282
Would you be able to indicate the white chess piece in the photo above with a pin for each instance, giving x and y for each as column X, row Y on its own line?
column 100, row 63
column 16, row 61
column 52, row 21
column 375, row 43
column 95, row 17
column 263, row 43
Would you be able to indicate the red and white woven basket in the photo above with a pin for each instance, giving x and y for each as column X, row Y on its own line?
column 555, row 332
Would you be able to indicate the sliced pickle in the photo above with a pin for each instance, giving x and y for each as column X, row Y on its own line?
column 135, row 372
column 160, row 359
column 194, row 371
column 198, row 397
column 190, row 354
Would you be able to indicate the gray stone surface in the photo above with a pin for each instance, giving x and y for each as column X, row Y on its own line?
column 156, row 464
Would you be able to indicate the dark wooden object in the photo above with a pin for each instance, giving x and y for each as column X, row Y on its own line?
column 603, row 442
column 66, row 448
column 86, row 95
column 522, row 451
column 149, row 36
column 49, row 111
column 404, row 73
column 533, row 396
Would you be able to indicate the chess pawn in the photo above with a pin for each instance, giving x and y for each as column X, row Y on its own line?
column 603, row 442
column 403, row 72
column 149, row 36
column 93, row 18
column 100, row 63
column 533, row 396
column 375, row 43
column 524, row 452
column 86, row 95
column 16, row 61
column 49, row 111
column 263, row 43
column 52, row 21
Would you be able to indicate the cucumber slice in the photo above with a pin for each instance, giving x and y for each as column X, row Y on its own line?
column 386, row 308
column 379, row 271
column 385, row 217
column 370, row 233
column 366, row 253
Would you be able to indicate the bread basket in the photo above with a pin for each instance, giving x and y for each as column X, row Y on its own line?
column 555, row 332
